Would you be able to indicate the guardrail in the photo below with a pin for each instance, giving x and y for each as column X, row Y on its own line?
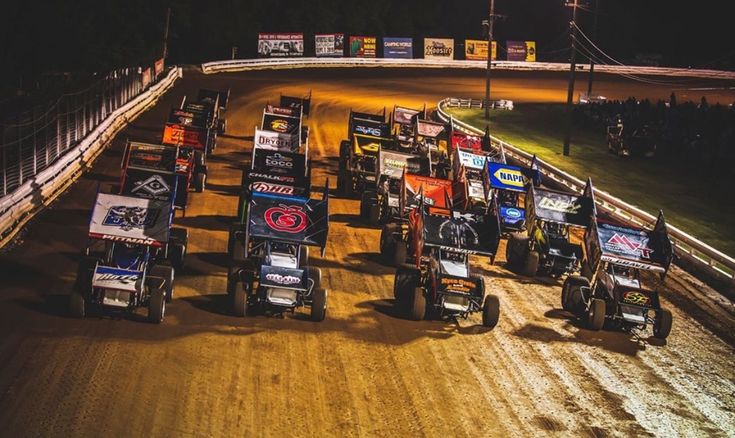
column 234, row 65
column 688, row 248
column 19, row 206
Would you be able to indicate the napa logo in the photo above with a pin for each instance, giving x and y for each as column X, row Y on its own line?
column 509, row 176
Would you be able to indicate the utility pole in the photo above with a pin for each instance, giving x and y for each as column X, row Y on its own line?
column 572, row 68
column 594, row 36
column 490, row 21
column 165, row 32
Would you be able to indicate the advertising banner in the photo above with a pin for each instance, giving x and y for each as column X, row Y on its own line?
column 521, row 50
column 398, row 48
column 146, row 77
column 438, row 48
column 280, row 44
column 332, row 44
column 158, row 67
column 476, row 50
column 363, row 46
column 283, row 124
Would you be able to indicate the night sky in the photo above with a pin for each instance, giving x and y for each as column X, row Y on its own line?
column 93, row 35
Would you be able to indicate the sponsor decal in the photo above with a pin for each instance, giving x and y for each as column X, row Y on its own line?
column 134, row 240
column 458, row 285
column 280, row 178
column 154, row 186
column 280, row 110
column 470, row 160
column 513, row 213
column 396, row 164
column 275, row 140
column 367, row 130
column 181, row 136
column 282, row 279
column 265, row 187
column 511, row 177
column 429, row 129
column 278, row 160
column 521, row 50
column 127, row 218
column 631, row 263
column 560, row 205
column 636, row 297
column 279, row 125
column 286, row 218
column 624, row 244
column 116, row 278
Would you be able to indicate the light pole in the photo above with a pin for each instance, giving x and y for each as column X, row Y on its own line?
column 490, row 21
column 572, row 69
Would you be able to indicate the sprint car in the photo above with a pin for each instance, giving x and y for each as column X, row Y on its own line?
column 122, row 269
column 220, row 98
column 612, row 291
column 380, row 203
column 358, row 163
column 547, row 249
column 509, row 184
column 436, row 280
column 403, row 122
column 301, row 104
column 637, row 142
column 149, row 172
column 415, row 190
column 193, row 144
column 433, row 137
column 273, row 275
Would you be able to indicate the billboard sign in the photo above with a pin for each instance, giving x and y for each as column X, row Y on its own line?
column 398, row 48
column 146, row 77
column 280, row 44
column 438, row 48
column 158, row 67
column 332, row 44
column 521, row 50
column 363, row 46
column 476, row 50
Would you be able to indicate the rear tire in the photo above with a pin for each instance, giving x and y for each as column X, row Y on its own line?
column 531, row 266
column 662, row 324
column 200, row 182
column 157, row 306
column 233, row 278
column 316, row 275
column 240, row 299
column 319, row 305
column 374, row 214
column 167, row 273
column 399, row 253
column 596, row 314
column 490, row 311
column 77, row 305
column 405, row 280
column 179, row 241
column 387, row 241
column 417, row 305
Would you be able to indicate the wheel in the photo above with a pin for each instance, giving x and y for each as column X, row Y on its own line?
column 405, row 280
column 303, row 256
column 365, row 205
column 240, row 299
column 387, row 241
column 515, row 249
column 316, row 275
column 531, row 265
column 200, row 182
column 85, row 272
column 662, row 324
column 399, row 253
column 179, row 237
column 238, row 251
column 490, row 311
column 571, row 293
column 596, row 314
column 157, row 306
column 417, row 305
column 374, row 214
column 233, row 277
column 77, row 305
column 318, row 305
column 167, row 273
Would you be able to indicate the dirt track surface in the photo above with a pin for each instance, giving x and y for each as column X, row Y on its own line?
column 365, row 371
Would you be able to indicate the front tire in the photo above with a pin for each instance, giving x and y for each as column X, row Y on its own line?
column 531, row 266
column 319, row 305
column 77, row 305
column 157, row 306
column 399, row 253
column 167, row 274
column 596, row 314
column 490, row 311
column 417, row 305
column 662, row 324
column 240, row 300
